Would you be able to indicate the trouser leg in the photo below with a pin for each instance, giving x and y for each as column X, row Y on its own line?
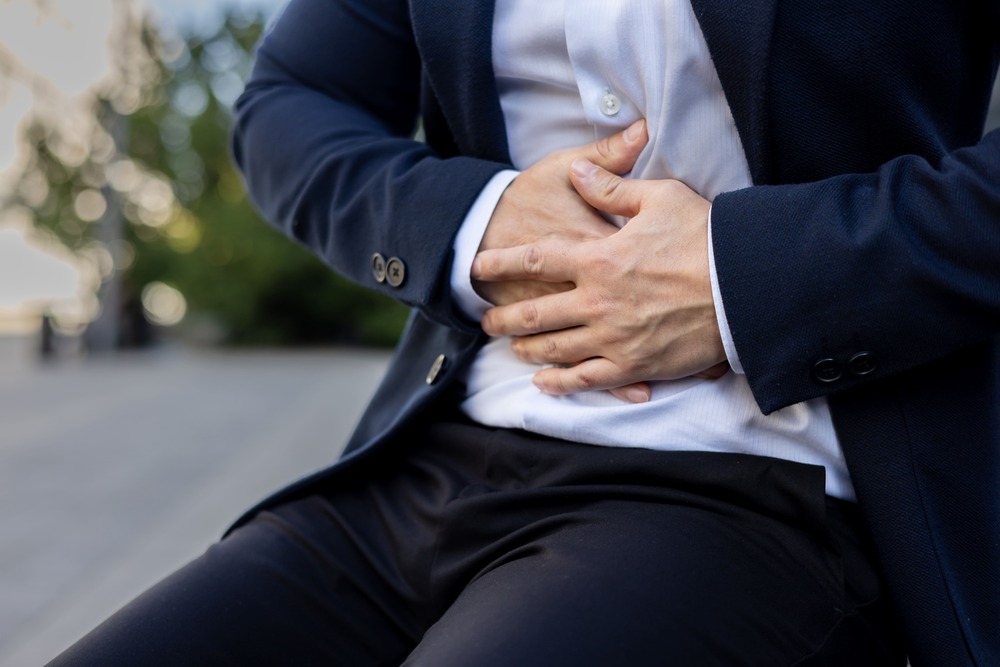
column 592, row 556
column 288, row 588
column 479, row 547
column 620, row 583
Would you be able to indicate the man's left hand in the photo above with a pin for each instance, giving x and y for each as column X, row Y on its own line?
column 642, row 306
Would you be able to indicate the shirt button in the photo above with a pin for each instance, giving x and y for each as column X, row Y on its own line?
column 610, row 104
column 378, row 267
column 432, row 374
column 395, row 272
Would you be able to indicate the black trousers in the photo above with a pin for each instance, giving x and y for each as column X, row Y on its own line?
column 469, row 546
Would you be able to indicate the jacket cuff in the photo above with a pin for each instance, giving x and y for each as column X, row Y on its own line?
column 720, row 311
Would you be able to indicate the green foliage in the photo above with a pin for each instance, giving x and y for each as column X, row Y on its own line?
column 186, row 219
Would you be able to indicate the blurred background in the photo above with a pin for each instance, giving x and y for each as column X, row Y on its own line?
column 166, row 358
column 122, row 220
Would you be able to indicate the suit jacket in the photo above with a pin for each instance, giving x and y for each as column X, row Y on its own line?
column 864, row 264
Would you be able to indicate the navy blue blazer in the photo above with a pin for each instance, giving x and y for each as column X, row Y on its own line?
column 864, row 264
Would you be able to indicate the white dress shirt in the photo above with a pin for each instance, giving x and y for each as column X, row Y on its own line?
column 567, row 74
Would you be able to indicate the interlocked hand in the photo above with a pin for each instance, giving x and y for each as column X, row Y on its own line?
column 641, row 305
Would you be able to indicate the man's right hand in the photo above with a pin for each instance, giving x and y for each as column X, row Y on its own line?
column 541, row 203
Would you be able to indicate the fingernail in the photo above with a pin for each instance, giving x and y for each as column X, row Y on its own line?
column 636, row 395
column 476, row 267
column 634, row 131
column 583, row 169
column 538, row 384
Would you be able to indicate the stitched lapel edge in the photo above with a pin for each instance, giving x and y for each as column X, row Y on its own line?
column 738, row 35
column 455, row 39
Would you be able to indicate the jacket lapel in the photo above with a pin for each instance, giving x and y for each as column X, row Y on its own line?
column 455, row 42
column 738, row 33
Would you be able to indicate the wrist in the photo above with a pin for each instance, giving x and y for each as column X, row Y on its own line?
column 467, row 242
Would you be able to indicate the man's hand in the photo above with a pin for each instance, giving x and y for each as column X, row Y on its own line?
column 541, row 204
column 642, row 306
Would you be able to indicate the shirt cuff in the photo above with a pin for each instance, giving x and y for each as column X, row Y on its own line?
column 466, row 245
column 720, row 311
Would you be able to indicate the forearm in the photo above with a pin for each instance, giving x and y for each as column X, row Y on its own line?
column 903, row 263
column 327, row 155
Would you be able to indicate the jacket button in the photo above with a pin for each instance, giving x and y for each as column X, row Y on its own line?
column 432, row 374
column 395, row 272
column 827, row 371
column 378, row 267
column 862, row 363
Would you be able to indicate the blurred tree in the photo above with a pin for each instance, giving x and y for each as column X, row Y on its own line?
column 158, row 155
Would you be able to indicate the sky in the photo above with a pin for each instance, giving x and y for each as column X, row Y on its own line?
column 60, row 54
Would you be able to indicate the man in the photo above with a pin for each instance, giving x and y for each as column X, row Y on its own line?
column 849, row 277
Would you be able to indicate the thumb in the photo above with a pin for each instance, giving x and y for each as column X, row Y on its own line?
column 618, row 152
column 605, row 191
column 638, row 392
column 714, row 372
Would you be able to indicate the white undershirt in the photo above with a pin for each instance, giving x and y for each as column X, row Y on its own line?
column 555, row 70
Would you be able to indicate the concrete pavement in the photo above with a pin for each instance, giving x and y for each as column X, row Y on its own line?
column 114, row 472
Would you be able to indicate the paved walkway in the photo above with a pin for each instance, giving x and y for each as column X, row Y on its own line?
column 115, row 472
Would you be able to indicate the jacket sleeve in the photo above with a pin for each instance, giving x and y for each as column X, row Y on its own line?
column 832, row 284
column 323, row 138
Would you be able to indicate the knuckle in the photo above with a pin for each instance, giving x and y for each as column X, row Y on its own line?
column 634, row 368
column 551, row 347
column 601, row 257
column 600, row 305
column 620, row 341
column 610, row 186
column 529, row 315
column 585, row 380
column 604, row 148
column 532, row 262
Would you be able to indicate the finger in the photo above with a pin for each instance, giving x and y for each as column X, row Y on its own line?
column 546, row 313
column 566, row 346
column 605, row 191
column 633, row 393
column 618, row 152
column 597, row 373
column 714, row 372
column 512, row 291
column 548, row 262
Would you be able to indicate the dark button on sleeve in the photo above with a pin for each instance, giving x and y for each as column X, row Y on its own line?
column 863, row 363
column 827, row 371
column 395, row 272
column 378, row 267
